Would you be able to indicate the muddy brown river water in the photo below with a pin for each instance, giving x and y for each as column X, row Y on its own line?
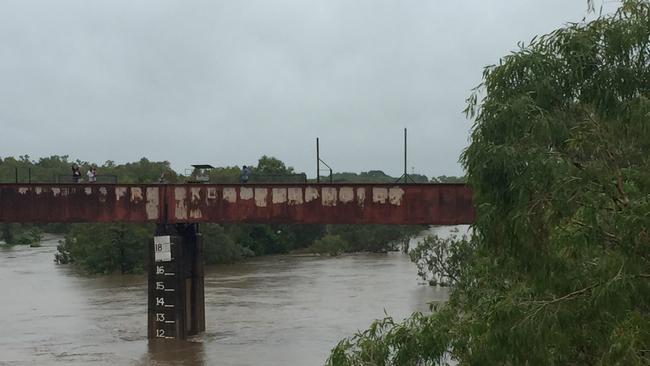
column 277, row 310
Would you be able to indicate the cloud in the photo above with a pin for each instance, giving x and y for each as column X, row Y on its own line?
column 225, row 82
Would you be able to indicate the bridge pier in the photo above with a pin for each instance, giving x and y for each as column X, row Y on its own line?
column 176, row 307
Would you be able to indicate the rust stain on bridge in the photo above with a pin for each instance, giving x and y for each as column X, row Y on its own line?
column 438, row 204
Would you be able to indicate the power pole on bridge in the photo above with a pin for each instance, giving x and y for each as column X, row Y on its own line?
column 318, row 161
column 406, row 176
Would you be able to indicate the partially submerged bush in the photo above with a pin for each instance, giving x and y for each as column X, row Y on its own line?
column 329, row 244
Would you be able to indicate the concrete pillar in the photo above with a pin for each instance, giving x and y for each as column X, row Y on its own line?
column 176, row 297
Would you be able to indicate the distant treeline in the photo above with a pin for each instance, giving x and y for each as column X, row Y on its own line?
column 54, row 168
column 51, row 169
column 106, row 248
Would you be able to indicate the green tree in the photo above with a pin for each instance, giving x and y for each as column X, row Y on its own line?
column 50, row 169
column 374, row 176
column 219, row 247
column 271, row 165
column 7, row 233
column 106, row 248
column 329, row 244
column 448, row 179
column 142, row 171
column 20, row 234
column 374, row 238
column 559, row 270
column 224, row 174
column 440, row 260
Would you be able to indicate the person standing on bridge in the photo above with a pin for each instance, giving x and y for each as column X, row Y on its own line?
column 76, row 174
column 245, row 173
column 92, row 175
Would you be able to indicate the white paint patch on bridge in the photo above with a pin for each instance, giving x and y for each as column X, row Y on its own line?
column 120, row 192
column 329, row 196
column 180, row 211
column 346, row 194
column 361, row 196
column 136, row 194
column 246, row 193
column 395, row 195
column 311, row 194
column 152, row 203
column 230, row 194
column 295, row 196
column 279, row 195
column 379, row 195
column 260, row 197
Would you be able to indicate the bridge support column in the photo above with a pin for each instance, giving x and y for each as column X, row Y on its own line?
column 176, row 297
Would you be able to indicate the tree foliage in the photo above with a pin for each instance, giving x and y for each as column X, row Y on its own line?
column 440, row 260
column 105, row 248
column 373, row 176
column 448, row 179
column 271, row 165
column 329, row 244
column 219, row 246
column 559, row 270
column 374, row 238
column 20, row 234
column 51, row 169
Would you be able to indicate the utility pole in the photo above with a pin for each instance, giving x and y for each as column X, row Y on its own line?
column 406, row 176
column 405, row 173
column 318, row 161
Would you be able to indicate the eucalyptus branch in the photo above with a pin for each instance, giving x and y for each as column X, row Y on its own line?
column 573, row 295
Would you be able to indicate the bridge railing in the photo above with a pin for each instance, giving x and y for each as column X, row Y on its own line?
column 262, row 178
column 278, row 178
column 101, row 178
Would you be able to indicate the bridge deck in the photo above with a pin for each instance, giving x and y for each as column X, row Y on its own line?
column 441, row 204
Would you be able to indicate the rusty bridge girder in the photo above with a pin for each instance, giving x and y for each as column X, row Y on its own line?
column 436, row 204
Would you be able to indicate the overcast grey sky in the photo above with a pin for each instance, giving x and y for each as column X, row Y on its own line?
column 224, row 82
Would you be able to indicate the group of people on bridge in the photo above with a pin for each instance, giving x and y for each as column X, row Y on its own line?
column 91, row 174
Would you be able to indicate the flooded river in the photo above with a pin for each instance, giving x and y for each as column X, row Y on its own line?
column 278, row 310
